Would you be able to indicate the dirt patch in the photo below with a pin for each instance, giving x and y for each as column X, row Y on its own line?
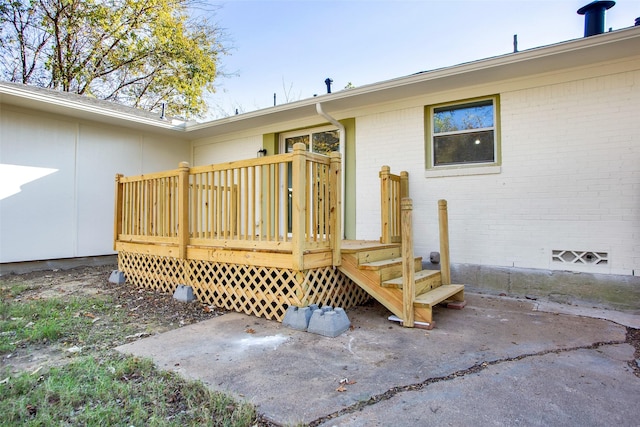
column 136, row 312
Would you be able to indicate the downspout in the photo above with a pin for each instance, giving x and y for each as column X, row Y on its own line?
column 342, row 151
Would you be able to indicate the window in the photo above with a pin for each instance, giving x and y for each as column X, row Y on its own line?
column 323, row 140
column 463, row 134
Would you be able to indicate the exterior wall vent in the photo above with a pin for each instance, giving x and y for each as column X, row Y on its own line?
column 580, row 257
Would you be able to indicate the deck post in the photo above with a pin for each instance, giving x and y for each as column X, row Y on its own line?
column 445, row 264
column 385, row 204
column 117, row 214
column 335, row 211
column 408, row 263
column 183, row 209
column 404, row 184
column 298, row 208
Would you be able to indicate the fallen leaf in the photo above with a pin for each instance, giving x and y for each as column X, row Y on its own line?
column 90, row 315
column 250, row 331
column 341, row 389
column 351, row 382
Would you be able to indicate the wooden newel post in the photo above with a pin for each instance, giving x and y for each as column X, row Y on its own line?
column 445, row 264
column 183, row 209
column 408, row 267
column 117, row 214
column 404, row 184
column 385, row 204
column 298, row 208
column 335, row 223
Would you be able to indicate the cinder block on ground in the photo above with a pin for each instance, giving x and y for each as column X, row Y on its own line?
column 298, row 317
column 117, row 277
column 456, row 305
column 329, row 322
column 184, row 293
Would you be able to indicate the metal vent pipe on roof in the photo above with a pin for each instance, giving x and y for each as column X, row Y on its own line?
column 594, row 16
column 328, row 82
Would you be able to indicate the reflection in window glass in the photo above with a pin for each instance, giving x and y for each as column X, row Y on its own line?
column 294, row 140
column 463, row 117
column 326, row 142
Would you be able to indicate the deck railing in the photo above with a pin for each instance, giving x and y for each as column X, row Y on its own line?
column 393, row 188
column 285, row 203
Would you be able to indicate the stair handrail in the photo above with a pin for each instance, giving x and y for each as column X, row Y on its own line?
column 393, row 188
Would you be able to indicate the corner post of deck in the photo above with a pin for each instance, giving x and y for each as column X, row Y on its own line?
column 298, row 208
column 404, row 184
column 335, row 209
column 183, row 209
column 117, row 214
column 408, row 263
column 385, row 202
column 445, row 263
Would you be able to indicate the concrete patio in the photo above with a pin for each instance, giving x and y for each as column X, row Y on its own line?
column 499, row 361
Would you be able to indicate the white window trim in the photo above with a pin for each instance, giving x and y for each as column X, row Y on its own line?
column 480, row 168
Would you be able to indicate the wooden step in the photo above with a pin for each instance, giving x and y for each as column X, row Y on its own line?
column 389, row 268
column 380, row 254
column 385, row 263
column 424, row 280
column 439, row 294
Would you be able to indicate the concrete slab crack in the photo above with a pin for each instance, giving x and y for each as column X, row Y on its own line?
column 471, row 370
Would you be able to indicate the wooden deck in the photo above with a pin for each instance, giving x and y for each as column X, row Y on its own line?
column 245, row 241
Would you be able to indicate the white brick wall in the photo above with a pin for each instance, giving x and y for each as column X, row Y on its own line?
column 570, row 178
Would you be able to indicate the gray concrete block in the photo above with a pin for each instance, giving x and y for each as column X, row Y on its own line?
column 184, row 293
column 298, row 317
column 117, row 277
column 329, row 322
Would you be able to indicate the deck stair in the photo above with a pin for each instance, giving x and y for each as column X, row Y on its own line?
column 377, row 268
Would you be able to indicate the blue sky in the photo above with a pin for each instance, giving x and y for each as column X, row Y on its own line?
column 290, row 47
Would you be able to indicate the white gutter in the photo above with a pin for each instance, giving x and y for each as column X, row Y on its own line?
column 342, row 151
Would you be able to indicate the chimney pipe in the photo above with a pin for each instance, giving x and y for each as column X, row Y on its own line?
column 594, row 16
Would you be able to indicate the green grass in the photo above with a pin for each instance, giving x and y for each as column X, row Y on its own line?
column 97, row 386
column 56, row 320
column 116, row 390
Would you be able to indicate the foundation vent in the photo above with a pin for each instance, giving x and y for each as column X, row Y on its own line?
column 580, row 257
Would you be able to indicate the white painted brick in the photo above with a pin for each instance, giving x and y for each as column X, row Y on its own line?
column 570, row 177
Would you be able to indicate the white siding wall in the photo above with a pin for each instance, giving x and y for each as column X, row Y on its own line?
column 69, row 213
column 570, row 178
column 207, row 152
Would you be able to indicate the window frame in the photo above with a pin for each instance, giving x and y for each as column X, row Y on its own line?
column 471, row 168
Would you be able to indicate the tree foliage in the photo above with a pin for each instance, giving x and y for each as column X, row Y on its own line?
column 140, row 53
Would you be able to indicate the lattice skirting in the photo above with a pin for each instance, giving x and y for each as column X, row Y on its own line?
column 260, row 291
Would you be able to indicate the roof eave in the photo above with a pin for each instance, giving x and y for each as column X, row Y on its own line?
column 23, row 97
column 574, row 53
